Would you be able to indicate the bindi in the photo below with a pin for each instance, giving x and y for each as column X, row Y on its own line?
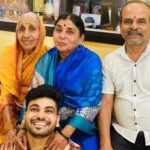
column 64, row 25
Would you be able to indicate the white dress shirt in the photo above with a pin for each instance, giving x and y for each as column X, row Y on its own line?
column 130, row 82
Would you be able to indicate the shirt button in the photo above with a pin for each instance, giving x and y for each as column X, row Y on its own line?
column 134, row 95
column 135, row 65
column 134, row 109
column 136, row 123
column 134, row 80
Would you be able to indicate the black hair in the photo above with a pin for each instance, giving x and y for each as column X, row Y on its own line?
column 130, row 2
column 75, row 19
column 44, row 91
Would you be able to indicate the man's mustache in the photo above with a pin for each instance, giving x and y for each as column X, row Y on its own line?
column 134, row 32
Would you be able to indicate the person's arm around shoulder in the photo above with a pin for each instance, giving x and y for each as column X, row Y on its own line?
column 61, row 138
column 104, row 121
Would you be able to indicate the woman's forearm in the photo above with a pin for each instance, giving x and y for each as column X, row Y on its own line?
column 68, row 130
column 7, row 118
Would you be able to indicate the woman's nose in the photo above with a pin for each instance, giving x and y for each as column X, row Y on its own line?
column 26, row 33
column 62, row 34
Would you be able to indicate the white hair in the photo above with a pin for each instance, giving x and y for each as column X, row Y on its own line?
column 31, row 14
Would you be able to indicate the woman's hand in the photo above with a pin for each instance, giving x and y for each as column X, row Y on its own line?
column 57, row 143
column 21, row 142
column 21, row 139
column 8, row 144
column 74, row 146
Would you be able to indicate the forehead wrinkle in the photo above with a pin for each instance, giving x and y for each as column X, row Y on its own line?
column 31, row 20
column 30, row 24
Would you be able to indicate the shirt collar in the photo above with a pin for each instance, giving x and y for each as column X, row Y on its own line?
column 124, row 55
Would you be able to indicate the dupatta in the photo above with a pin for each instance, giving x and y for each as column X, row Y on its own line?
column 16, row 74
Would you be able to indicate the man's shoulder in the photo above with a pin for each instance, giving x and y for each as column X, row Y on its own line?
column 115, row 54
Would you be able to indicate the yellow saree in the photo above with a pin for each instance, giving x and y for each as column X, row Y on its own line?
column 15, row 77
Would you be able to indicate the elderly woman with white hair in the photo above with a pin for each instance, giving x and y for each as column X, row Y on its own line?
column 17, row 63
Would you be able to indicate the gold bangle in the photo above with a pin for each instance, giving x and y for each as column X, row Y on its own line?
column 64, row 136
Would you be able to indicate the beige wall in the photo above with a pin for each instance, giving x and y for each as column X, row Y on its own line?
column 7, row 38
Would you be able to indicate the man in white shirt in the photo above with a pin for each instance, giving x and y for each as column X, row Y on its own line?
column 124, row 118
